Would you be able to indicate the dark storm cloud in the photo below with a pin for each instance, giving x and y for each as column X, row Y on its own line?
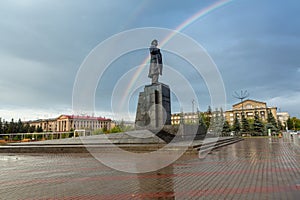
column 43, row 44
column 255, row 45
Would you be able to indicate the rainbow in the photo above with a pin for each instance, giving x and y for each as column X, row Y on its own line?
column 201, row 13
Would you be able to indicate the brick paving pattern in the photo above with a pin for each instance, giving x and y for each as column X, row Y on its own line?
column 250, row 169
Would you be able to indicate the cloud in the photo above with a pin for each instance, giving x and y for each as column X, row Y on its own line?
column 43, row 43
column 286, row 103
column 32, row 84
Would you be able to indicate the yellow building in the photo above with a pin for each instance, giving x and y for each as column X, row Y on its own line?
column 64, row 123
column 191, row 117
column 46, row 124
column 249, row 107
column 283, row 117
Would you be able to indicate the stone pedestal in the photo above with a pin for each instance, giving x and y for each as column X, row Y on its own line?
column 154, row 107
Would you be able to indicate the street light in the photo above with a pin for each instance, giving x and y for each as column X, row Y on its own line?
column 243, row 95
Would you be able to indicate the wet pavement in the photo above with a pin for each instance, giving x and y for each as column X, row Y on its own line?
column 261, row 168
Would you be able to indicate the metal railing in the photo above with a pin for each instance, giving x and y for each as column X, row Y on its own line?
column 9, row 137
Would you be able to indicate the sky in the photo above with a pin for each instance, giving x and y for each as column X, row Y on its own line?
column 255, row 45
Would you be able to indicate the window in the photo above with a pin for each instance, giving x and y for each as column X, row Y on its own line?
column 249, row 113
column 248, row 106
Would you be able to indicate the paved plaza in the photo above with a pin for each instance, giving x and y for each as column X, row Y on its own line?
column 260, row 168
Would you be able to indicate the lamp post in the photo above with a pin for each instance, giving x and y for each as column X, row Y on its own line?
column 242, row 95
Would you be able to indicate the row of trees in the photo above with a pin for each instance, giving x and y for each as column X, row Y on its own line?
column 17, row 127
column 293, row 124
column 214, row 122
column 21, row 127
column 255, row 127
column 119, row 127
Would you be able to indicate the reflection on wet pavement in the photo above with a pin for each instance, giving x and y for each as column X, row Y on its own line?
column 251, row 169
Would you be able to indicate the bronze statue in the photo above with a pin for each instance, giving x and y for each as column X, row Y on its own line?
column 155, row 62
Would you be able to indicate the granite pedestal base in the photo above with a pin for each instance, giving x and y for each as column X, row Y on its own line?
column 154, row 107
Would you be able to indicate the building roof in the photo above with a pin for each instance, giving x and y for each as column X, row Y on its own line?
column 70, row 117
column 249, row 100
column 283, row 114
column 40, row 120
column 85, row 117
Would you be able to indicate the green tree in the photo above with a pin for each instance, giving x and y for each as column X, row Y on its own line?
column 17, row 138
column 1, row 126
column 20, row 127
column 71, row 133
column 279, row 125
column 5, row 127
column 258, row 126
column 206, row 119
column 289, row 124
column 98, row 131
column 222, row 118
column 209, row 110
column 245, row 124
column 12, row 127
column 236, row 125
column 208, row 116
column 104, row 129
column 272, row 121
column 116, row 129
column 31, row 129
column 226, row 129
column 216, row 123
column 201, row 123
column 26, row 128
column 295, row 123
column 271, row 127
column 122, row 125
column 39, row 129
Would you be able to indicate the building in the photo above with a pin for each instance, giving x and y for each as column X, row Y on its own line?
column 191, row 117
column 249, row 107
column 283, row 117
column 66, row 123
column 48, row 125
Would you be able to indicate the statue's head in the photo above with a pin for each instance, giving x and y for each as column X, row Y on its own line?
column 154, row 43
